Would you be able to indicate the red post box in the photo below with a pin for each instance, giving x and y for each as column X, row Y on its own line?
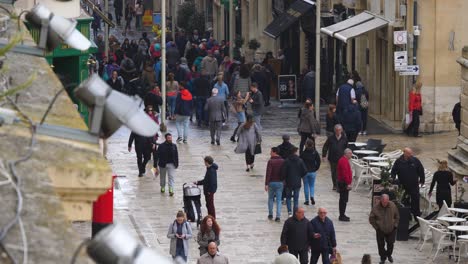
column 103, row 210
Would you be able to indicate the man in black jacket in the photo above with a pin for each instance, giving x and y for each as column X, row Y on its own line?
column 143, row 149
column 210, row 184
column 154, row 98
column 168, row 161
column 285, row 147
column 410, row 173
column 296, row 234
column 201, row 91
column 335, row 146
column 293, row 170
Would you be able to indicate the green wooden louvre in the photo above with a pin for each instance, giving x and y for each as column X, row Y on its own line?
column 71, row 64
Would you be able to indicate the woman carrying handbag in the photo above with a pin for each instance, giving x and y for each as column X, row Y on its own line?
column 249, row 142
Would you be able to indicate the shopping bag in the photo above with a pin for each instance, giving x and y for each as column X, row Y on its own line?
column 408, row 118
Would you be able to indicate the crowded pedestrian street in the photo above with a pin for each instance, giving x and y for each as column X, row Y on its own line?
column 247, row 236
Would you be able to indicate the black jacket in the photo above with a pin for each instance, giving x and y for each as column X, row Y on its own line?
column 410, row 172
column 296, row 233
column 293, row 170
column 285, row 149
column 141, row 143
column 210, row 182
column 117, row 85
column 201, row 87
column 154, row 100
column 326, row 230
column 334, row 147
column 311, row 159
column 167, row 153
column 331, row 122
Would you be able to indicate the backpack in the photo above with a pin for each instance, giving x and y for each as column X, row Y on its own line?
column 364, row 102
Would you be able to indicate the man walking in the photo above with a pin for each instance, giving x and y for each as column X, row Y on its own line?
column 201, row 91
column 384, row 217
column 285, row 147
column 168, row 161
column 295, row 234
column 212, row 256
column 293, row 171
column 215, row 108
column 143, row 148
column 258, row 105
column 223, row 92
column 335, row 146
column 210, row 184
column 274, row 183
column 323, row 239
column 344, row 180
column 410, row 173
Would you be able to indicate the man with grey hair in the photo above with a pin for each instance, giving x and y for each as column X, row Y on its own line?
column 335, row 146
column 216, row 115
column 322, row 238
column 385, row 217
column 344, row 181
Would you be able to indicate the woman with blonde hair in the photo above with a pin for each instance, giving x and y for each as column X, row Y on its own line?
column 415, row 110
column 172, row 88
column 444, row 178
column 179, row 232
column 209, row 231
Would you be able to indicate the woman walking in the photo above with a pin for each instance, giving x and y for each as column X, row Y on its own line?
column 249, row 137
column 308, row 127
column 239, row 106
column 209, row 231
column 444, row 178
column 172, row 88
column 415, row 110
column 179, row 232
column 311, row 158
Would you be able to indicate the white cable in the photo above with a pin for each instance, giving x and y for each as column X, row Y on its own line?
column 5, row 182
column 25, row 241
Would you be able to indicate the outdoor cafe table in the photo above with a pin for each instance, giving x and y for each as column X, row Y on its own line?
column 458, row 228
column 451, row 219
column 365, row 152
column 459, row 210
column 378, row 164
column 358, row 144
column 377, row 159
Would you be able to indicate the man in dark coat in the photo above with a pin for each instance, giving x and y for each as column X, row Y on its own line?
column 296, row 233
column 323, row 239
column 116, row 82
column 258, row 105
column 210, row 184
column 201, row 92
column 143, row 148
column 345, row 96
column 293, row 171
column 351, row 121
column 154, row 98
column 285, row 148
column 118, row 10
column 308, row 86
column 410, row 173
column 335, row 146
column 168, row 161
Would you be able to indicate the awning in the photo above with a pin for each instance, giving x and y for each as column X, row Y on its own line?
column 355, row 26
column 286, row 19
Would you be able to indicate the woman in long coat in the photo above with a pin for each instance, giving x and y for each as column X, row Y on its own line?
column 179, row 232
column 249, row 137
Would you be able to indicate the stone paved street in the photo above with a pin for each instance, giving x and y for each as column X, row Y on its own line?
column 247, row 235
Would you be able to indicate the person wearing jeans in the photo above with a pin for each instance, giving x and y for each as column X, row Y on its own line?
column 258, row 105
column 168, row 161
column 293, row 171
column 183, row 111
column 274, row 183
column 311, row 158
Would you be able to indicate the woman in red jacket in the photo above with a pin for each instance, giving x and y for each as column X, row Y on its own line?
column 415, row 110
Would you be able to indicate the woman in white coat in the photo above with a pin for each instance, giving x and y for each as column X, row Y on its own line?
column 249, row 141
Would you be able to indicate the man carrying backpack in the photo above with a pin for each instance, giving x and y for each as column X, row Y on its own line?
column 362, row 96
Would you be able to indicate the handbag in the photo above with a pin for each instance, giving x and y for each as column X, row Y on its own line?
column 258, row 149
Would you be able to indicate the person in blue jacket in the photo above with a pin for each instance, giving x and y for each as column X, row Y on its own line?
column 323, row 241
column 210, row 184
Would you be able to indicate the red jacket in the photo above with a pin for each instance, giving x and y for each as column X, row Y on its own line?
column 344, row 172
column 415, row 101
column 273, row 171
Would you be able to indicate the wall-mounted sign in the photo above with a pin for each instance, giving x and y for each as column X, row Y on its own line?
column 410, row 70
column 400, row 37
column 401, row 60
